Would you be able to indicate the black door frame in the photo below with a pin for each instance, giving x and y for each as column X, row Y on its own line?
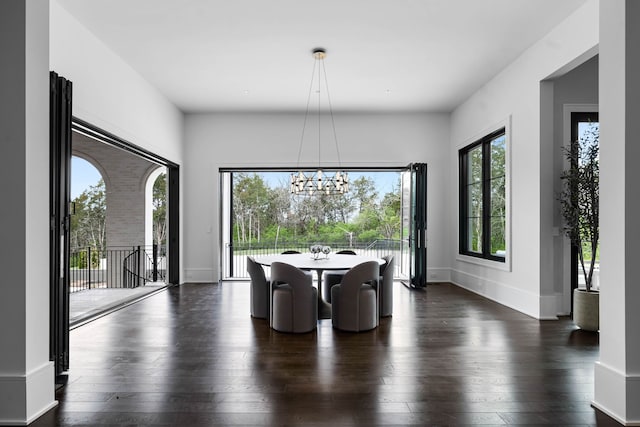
column 59, row 199
column 173, row 187
column 418, row 226
column 576, row 118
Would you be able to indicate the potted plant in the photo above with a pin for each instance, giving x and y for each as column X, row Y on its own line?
column 579, row 204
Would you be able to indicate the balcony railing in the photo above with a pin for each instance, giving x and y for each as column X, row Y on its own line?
column 116, row 267
column 237, row 255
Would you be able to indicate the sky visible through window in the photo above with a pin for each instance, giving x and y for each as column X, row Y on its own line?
column 83, row 176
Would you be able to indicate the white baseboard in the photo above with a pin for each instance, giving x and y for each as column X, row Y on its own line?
column 617, row 394
column 435, row 275
column 548, row 307
column 199, row 275
column 542, row 307
column 522, row 301
column 560, row 305
column 24, row 398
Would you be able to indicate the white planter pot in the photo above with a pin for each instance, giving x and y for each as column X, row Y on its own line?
column 586, row 309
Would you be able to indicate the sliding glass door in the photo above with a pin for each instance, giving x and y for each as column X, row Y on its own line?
column 59, row 201
column 259, row 216
column 384, row 212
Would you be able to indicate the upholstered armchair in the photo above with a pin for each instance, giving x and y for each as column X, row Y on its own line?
column 385, row 287
column 333, row 277
column 259, row 289
column 294, row 300
column 354, row 305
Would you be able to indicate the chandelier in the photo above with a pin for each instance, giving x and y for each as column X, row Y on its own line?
column 319, row 182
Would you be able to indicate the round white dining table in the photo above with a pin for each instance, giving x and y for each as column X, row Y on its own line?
column 319, row 264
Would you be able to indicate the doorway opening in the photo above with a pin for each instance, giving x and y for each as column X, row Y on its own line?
column 119, row 225
column 261, row 216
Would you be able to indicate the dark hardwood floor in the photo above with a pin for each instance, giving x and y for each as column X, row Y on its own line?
column 192, row 356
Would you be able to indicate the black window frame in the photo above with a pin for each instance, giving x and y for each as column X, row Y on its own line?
column 578, row 117
column 463, row 157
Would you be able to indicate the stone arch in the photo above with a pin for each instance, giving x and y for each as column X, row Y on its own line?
column 125, row 175
column 95, row 163
column 148, row 180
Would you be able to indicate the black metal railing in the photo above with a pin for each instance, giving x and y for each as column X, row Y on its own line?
column 116, row 267
column 132, row 276
column 239, row 252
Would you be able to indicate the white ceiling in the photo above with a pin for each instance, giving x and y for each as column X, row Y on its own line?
column 382, row 55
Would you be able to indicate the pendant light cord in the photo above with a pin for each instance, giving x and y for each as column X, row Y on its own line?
column 319, row 61
column 333, row 124
column 306, row 113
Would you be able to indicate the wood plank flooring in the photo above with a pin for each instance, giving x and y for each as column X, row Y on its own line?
column 192, row 356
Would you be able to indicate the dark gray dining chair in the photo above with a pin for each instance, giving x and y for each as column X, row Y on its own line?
column 385, row 287
column 354, row 304
column 259, row 293
column 294, row 300
column 333, row 277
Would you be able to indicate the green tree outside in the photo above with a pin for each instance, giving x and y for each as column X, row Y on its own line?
column 264, row 215
column 88, row 223
column 160, row 210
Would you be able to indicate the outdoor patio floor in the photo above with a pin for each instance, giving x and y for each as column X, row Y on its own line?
column 89, row 304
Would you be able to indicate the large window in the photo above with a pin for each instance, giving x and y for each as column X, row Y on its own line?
column 482, row 198
column 260, row 216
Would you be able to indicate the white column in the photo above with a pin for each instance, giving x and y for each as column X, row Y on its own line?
column 617, row 374
column 26, row 374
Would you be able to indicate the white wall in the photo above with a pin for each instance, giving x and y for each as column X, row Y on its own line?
column 515, row 94
column 213, row 141
column 108, row 93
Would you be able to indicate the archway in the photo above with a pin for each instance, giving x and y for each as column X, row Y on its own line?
column 153, row 202
column 156, row 226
